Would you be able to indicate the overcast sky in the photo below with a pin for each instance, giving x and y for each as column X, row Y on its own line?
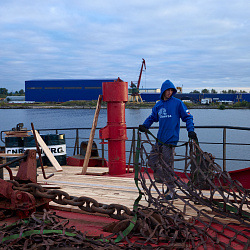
column 195, row 44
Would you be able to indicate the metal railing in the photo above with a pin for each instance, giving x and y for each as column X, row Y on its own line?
column 74, row 137
column 224, row 142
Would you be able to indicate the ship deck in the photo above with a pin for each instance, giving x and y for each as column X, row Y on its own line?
column 100, row 186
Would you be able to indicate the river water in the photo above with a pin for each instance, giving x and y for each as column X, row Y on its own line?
column 83, row 118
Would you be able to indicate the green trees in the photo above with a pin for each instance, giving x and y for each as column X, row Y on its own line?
column 205, row 91
column 195, row 92
column 4, row 92
column 231, row 91
column 21, row 92
column 213, row 91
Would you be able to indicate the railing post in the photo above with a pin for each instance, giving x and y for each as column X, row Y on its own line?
column 224, row 149
column 131, row 150
column 134, row 148
column 76, row 148
column 102, row 153
column 1, row 169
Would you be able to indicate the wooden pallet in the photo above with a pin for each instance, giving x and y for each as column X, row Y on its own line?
column 17, row 133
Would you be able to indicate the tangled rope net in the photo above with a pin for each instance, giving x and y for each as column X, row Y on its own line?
column 215, row 211
column 47, row 230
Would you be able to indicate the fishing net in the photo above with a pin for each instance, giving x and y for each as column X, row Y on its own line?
column 208, row 209
column 46, row 230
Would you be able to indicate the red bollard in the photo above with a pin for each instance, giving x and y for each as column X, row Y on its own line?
column 116, row 95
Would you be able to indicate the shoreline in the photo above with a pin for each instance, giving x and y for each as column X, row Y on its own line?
column 135, row 106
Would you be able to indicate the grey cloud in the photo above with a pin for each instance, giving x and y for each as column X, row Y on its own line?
column 194, row 43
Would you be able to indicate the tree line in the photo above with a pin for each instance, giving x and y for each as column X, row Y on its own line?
column 213, row 91
column 4, row 92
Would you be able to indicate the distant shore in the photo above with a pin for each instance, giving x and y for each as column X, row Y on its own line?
column 104, row 106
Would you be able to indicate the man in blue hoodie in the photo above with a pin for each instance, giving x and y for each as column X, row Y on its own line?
column 167, row 112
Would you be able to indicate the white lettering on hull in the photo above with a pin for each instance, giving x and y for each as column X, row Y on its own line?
column 56, row 150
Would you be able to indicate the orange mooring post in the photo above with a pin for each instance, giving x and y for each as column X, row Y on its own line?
column 116, row 95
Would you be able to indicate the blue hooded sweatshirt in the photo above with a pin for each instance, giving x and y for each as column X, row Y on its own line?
column 168, row 114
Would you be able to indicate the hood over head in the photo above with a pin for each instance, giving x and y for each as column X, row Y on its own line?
column 167, row 85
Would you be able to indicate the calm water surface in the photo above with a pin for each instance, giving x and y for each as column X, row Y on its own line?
column 83, row 118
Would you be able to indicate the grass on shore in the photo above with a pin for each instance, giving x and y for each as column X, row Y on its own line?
column 131, row 105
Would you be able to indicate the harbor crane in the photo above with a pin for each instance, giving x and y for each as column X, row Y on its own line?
column 135, row 95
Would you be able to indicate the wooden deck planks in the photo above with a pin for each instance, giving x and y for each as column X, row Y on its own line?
column 104, row 189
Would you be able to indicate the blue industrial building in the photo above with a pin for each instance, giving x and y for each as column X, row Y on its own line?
column 61, row 90
column 196, row 97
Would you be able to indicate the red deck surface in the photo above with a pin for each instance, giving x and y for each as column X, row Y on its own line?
column 93, row 225
column 86, row 223
column 90, row 224
column 242, row 175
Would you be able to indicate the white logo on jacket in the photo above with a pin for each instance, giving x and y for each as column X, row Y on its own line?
column 163, row 113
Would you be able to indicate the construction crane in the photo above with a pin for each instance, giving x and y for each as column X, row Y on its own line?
column 179, row 90
column 135, row 95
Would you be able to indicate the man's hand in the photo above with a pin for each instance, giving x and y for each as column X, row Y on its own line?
column 142, row 128
column 192, row 135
